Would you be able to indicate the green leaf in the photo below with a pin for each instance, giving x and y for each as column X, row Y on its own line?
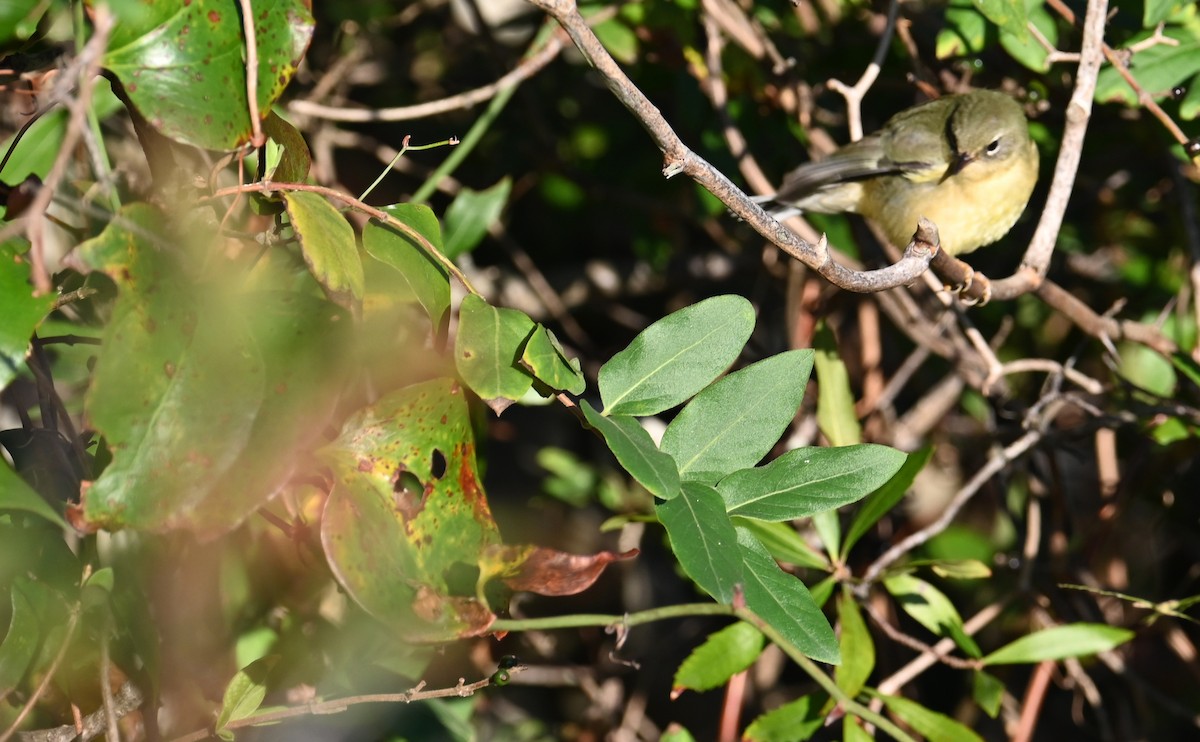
column 882, row 500
column 1009, row 15
column 619, row 40
column 857, row 648
column 791, row 722
column 1027, row 49
column 295, row 159
column 21, row 310
column 960, row 569
column 676, row 357
column 21, row 641
column 1060, row 642
column 988, row 692
column 784, row 543
column 784, row 602
column 702, row 537
column 19, row 19
column 471, row 214
column 182, row 64
column 929, row 724
column 426, row 278
column 636, row 452
column 1189, row 107
column 1157, row 11
column 931, row 608
column 734, row 423
column 1160, row 67
column 835, row 401
column 545, row 358
column 964, row 33
column 244, row 694
column 490, row 341
column 806, row 481
column 724, row 654
column 328, row 245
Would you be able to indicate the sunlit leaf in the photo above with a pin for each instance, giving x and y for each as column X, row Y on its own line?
column 487, row 350
column 21, row 310
column 856, row 645
column 182, row 64
column 1060, row 642
column 676, row 357
column 328, row 245
column 548, row 362
column 806, row 481
column 703, row 539
column 636, row 452
column 470, row 214
column 722, row 655
column 735, row 422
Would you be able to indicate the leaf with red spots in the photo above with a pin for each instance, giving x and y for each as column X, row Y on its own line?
column 407, row 529
column 183, row 64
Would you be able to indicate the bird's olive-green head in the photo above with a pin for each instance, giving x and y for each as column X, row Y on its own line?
column 966, row 162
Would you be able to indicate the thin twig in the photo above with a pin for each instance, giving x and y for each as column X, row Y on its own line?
column 531, row 65
column 854, row 94
column 680, row 159
column 257, row 138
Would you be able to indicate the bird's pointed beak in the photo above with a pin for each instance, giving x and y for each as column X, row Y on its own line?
column 961, row 160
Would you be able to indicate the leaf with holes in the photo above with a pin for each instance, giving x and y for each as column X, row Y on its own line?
column 182, row 64
column 407, row 529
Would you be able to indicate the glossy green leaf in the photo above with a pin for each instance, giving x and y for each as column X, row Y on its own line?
column 489, row 344
column 857, row 647
column 182, row 64
column 735, row 422
column 427, row 279
column 1009, row 15
column 636, row 452
column 702, row 538
column 244, row 694
column 21, row 640
column 784, row 602
column 1028, row 49
column 792, row 722
column 545, row 358
column 21, row 310
column 676, row 357
column 723, row 654
column 783, row 543
column 988, row 692
column 929, row 724
column 964, row 32
column 931, row 608
column 1060, row 642
column 881, row 501
column 835, row 400
column 470, row 215
column 328, row 245
column 806, row 481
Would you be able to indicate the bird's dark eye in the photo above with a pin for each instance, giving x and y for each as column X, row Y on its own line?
column 994, row 147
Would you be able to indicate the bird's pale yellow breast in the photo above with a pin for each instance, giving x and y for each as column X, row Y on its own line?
column 972, row 208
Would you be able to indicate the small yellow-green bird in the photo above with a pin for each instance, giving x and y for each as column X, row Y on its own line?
column 966, row 162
